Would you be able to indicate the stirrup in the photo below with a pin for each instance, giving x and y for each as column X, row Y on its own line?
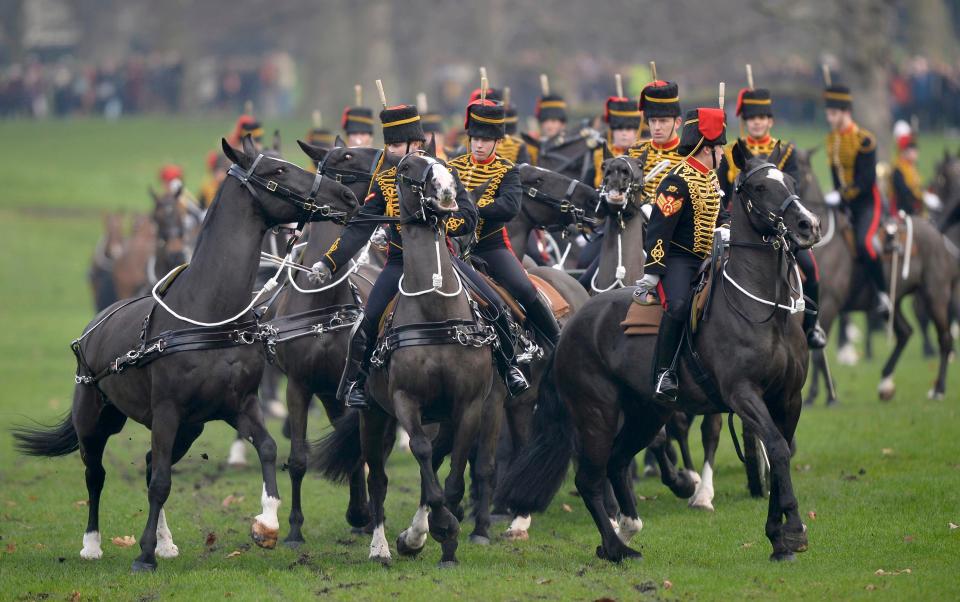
column 816, row 337
column 356, row 397
column 666, row 390
column 516, row 381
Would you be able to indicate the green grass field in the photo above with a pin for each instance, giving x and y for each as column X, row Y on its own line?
column 878, row 483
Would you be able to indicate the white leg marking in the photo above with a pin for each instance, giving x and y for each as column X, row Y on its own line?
column 268, row 518
column 847, row 355
column 416, row 535
column 615, row 525
column 403, row 439
column 629, row 527
column 277, row 409
column 238, row 453
column 703, row 496
column 886, row 388
column 518, row 528
column 91, row 546
column 379, row 548
column 165, row 546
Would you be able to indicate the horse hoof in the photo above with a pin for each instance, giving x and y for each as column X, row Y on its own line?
column 143, row 567
column 382, row 560
column 782, row 557
column 621, row 554
column 264, row 536
column 293, row 544
column 704, row 505
column 167, row 550
column 886, row 389
column 934, row 395
column 796, row 542
column 448, row 564
column 517, row 535
column 832, row 402
column 480, row 540
column 404, row 550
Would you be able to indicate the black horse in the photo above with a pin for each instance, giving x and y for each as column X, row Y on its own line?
column 175, row 396
column 313, row 363
column 598, row 394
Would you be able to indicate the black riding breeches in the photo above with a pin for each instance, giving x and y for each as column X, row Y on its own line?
column 866, row 222
column 507, row 270
column 384, row 290
column 675, row 286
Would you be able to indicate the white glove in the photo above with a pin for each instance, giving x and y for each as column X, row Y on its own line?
column 932, row 201
column 320, row 273
column 724, row 233
column 832, row 198
column 647, row 209
column 379, row 238
column 648, row 283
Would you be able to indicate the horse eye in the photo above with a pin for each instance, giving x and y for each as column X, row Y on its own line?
column 348, row 156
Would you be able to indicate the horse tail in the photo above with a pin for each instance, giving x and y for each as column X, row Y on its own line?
column 338, row 454
column 536, row 475
column 51, row 441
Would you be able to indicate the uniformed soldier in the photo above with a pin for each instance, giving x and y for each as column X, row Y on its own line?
column 660, row 105
column 755, row 110
column 357, row 121
column 908, row 194
column 680, row 235
column 402, row 134
column 498, row 183
column 512, row 148
column 623, row 118
column 852, row 152
column 551, row 114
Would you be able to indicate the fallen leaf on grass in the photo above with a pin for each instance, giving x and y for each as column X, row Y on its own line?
column 887, row 451
column 812, row 515
column 211, row 538
column 543, row 581
column 747, row 544
column 75, row 597
column 883, row 573
column 233, row 554
column 124, row 542
column 907, row 538
column 870, row 587
column 566, row 508
column 802, row 467
column 80, row 503
column 231, row 499
column 953, row 526
column 667, row 584
column 11, row 548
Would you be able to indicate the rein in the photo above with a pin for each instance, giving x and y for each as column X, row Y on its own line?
column 570, row 213
column 349, row 176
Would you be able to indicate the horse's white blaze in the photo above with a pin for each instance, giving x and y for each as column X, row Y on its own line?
column 703, row 496
column 91, row 546
column 268, row 518
column 886, row 386
column 165, row 546
column 776, row 175
column 379, row 548
column 629, row 527
column 238, row 453
column 520, row 523
column 416, row 535
column 847, row 355
column 443, row 179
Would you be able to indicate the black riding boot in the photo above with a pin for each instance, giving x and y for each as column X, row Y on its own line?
column 875, row 272
column 540, row 316
column 352, row 390
column 665, row 384
column 506, row 357
column 816, row 337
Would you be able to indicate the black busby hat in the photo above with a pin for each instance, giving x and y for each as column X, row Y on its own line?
column 551, row 106
column 837, row 96
column 754, row 103
column 485, row 119
column 402, row 124
column 621, row 113
column 660, row 99
column 511, row 120
column 321, row 137
column 432, row 122
column 702, row 127
column 491, row 94
column 357, row 120
column 252, row 128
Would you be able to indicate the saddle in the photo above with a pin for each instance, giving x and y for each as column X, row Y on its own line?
column 557, row 303
column 644, row 318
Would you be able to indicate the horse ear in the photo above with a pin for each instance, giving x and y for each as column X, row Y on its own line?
column 606, row 152
column 234, row 154
column 338, row 142
column 314, row 152
column 276, row 140
column 249, row 148
column 776, row 154
column 431, row 149
column 740, row 155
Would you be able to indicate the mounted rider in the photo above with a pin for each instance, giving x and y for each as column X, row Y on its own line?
column 755, row 109
column 512, row 148
column 402, row 134
column 852, row 152
column 660, row 105
column 357, row 121
column 497, row 181
column 622, row 117
column 680, row 235
column 907, row 193
column 551, row 113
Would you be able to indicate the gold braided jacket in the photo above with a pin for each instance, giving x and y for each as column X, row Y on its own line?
column 758, row 148
column 473, row 175
column 655, row 154
column 509, row 148
column 842, row 150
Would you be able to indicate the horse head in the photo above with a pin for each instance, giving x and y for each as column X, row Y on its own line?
column 622, row 183
column 283, row 191
column 425, row 186
column 769, row 199
column 555, row 199
column 352, row 167
column 170, row 217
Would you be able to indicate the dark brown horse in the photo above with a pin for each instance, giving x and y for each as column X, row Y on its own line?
column 597, row 397
column 182, row 382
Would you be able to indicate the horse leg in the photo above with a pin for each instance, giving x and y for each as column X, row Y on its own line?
column 266, row 525
column 680, row 431
column 755, row 465
column 94, row 428
column 635, row 434
column 682, row 483
column 373, row 428
column 939, row 315
column 710, row 435
column 468, row 427
column 789, row 536
column 923, row 320
column 164, row 428
column 298, row 402
column 186, row 435
column 816, row 373
column 902, row 331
